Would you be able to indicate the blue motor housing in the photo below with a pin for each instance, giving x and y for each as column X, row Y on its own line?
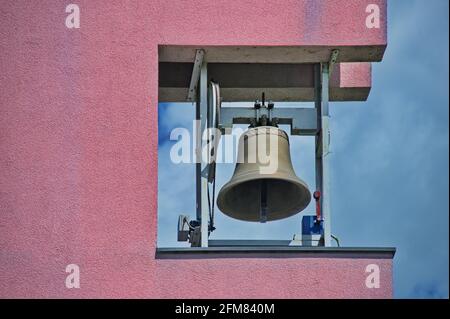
column 310, row 226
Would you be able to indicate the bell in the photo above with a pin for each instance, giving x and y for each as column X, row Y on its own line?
column 264, row 186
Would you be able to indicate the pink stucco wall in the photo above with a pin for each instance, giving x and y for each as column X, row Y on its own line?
column 78, row 146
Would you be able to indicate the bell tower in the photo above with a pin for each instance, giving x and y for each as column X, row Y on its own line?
column 79, row 145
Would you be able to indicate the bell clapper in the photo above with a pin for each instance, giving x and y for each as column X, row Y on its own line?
column 263, row 207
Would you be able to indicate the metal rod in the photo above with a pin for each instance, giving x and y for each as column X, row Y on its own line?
column 198, row 164
column 263, row 206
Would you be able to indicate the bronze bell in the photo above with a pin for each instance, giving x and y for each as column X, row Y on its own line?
column 264, row 186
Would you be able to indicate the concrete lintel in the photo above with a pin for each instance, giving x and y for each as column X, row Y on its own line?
column 272, row 54
column 275, row 252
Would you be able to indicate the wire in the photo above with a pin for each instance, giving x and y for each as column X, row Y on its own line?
column 336, row 239
column 216, row 108
column 211, row 205
column 214, row 196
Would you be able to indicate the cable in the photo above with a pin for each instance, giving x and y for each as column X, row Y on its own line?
column 336, row 239
column 214, row 196
column 216, row 125
column 216, row 120
column 211, row 205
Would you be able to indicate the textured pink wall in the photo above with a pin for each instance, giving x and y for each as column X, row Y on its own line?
column 78, row 146
column 273, row 278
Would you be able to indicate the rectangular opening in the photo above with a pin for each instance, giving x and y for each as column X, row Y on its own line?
column 287, row 85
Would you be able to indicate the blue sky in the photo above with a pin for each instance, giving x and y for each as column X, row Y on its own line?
column 389, row 161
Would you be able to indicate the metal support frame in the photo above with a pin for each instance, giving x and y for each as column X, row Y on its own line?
column 203, row 185
column 199, row 78
column 202, row 209
column 303, row 121
column 322, row 146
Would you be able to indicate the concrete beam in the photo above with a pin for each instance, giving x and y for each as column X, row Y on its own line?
column 272, row 54
column 243, row 82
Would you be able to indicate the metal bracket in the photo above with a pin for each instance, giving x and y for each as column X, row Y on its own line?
column 199, row 55
column 303, row 121
column 189, row 231
column 333, row 60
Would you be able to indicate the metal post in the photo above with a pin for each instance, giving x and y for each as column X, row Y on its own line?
column 194, row 91
column 198, row 158
column 318, row 106
column 203, row 179
column 322, row 145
